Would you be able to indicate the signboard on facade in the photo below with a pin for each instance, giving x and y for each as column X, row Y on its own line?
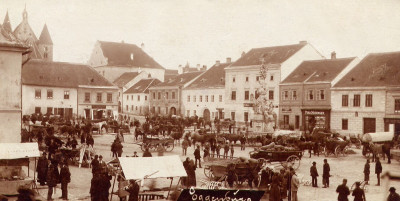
column 99, row 106
column 248, row 104
column 314, row 112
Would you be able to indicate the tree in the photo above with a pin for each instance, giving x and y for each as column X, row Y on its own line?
column 261, row 103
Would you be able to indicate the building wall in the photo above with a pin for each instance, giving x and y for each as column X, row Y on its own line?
column 198, row 106
column 290, row 106
column 164, row 103
column 391, row 96
column 113, row 72
column 355, row 115
column 93, row 104
column 29, row 100
column 10, row 99
column 134, row 105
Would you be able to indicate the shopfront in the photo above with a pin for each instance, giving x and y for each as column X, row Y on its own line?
column 315, row 118
column 395, row 121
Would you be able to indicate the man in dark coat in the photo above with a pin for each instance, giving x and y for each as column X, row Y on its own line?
column 147, row 153
column 94, row 187
column 186, row 163
column 358, row 193
column 133, row 190
column 314, row 174
column 105, row 186
column 343, row 191
column 41, row 169
column 366, row 171
column 393, row 196
column 378, row 170
column 95, row 165
column 326, row 173
column 52, row 180
column 65, row 176
column 197, row 156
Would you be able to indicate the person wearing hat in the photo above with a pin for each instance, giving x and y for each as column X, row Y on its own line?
column 326, row 174
column 65, row 176
column 393, row 196
column 366, row 171
column 358, row 193
column 378, row 170
column 135, row 154
column 314, row 174
column 343, row 191
column 295, row 183
column 133, row 190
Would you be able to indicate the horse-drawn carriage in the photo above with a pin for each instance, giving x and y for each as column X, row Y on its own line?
column 336, row 146
column 152, row 142
column 288, row 157
column 219, row 169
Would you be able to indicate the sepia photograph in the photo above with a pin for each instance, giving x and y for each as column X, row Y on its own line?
column 256, row 100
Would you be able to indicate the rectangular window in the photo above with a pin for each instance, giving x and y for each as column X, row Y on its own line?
column 233, row 116
column 256, row 94
column 109, row 97
column 138, row 98
column 145, row 98
column 49, row 110
column 233, row 95
column 159, row 110
column 127, row 108
column 159, row 95
column 131, row 107
column 368, row 100
column 66, row 94
column 166, row 95
column 233, row 79
column 194, row 98
column 246, row 95
column 131, row 97
column 310, row 94
column 271, row 78
column 87, row 97
column 286, row 121
column 188, row 113
column 212, row 98
column 397, row 106
column 220, row 98
column 285, row 95
column 294, row 95
column 37, row 110
column 345, row 124
column 246, row 116
column 201, row 98
column 49, row 94
column 38, row 94
column 173, row 95
column 356, row 100
column 345, row 100
column 154, row 95
column 98, row 97
column 206, row 98
column 127, row 97
column 321, row 94
column 257, row 78
column 188, row 98
column 271, row 94
column 247, row 78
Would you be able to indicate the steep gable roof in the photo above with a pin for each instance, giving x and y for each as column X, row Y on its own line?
column 7, row 23
column 271, row 55
column 124, row 54
column 60, row 74
column 45, row 36
column 212, row 78
column 142, row 86
column 318, row 70
column 180, row 79
column 375, row 70
column 122, row 80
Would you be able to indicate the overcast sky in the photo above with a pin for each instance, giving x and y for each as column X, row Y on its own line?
column 200, row 32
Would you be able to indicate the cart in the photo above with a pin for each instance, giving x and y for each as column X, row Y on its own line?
column 336, row 147
column 286, row 158
column 152, row 143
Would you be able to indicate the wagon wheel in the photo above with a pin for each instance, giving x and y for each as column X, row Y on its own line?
column 344, row 151
column 358, row 144
column 207, row 171
column 143, row 146
column 169, row 146
column 293, row 161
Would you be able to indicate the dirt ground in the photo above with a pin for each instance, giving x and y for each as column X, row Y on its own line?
column 349, row 167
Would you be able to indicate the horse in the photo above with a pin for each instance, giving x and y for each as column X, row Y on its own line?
column 379, row 149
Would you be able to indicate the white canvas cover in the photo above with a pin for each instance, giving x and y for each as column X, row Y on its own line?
column 157, row 167
column 19, row 150
column 378, row 137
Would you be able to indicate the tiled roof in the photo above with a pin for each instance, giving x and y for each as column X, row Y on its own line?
column 375, row 70
column 142, row 86
column 213, row 77
column 60, row 74
column 170, row 71
column 180, row 79
column 45, row 36
column 122, row 80
column 318, row 70
column 273, row 55
column 6, row 23
column 124, row 54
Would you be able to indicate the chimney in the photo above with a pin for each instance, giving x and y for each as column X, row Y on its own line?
column 204, row 67
column 198, row 67
column 228, row 60
column 180, row 69
column 217, row 63
column 243, row 53
column 303, row 42
column 142, row 46
column 333, row 55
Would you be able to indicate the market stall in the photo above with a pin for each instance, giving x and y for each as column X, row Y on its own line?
column 14, row 156
column 140, row 168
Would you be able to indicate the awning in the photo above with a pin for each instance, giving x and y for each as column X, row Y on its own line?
column 157, row 167
column 19, row 150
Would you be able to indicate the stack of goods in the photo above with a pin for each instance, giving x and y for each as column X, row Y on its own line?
column 274, row 147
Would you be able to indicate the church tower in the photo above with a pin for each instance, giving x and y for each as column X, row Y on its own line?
column 45, row 44
column 7, row 24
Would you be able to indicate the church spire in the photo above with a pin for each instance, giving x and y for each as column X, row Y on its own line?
column 25, row 14
column 7, row 24
column 45, row 36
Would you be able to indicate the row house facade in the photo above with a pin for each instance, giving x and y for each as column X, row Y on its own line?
column 367, row 99
column 166, row 97
column 242, row 78
column 305, row 99
column 136, row 99
column 66, row 89
column 205, row 96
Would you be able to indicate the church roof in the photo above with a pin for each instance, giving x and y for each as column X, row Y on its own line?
column 61, row 74
column 45, row 37
column 124, row 54
column 7, row 23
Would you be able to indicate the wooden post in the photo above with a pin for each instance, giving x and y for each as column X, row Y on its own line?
column 112, row 189
column 172, row 179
